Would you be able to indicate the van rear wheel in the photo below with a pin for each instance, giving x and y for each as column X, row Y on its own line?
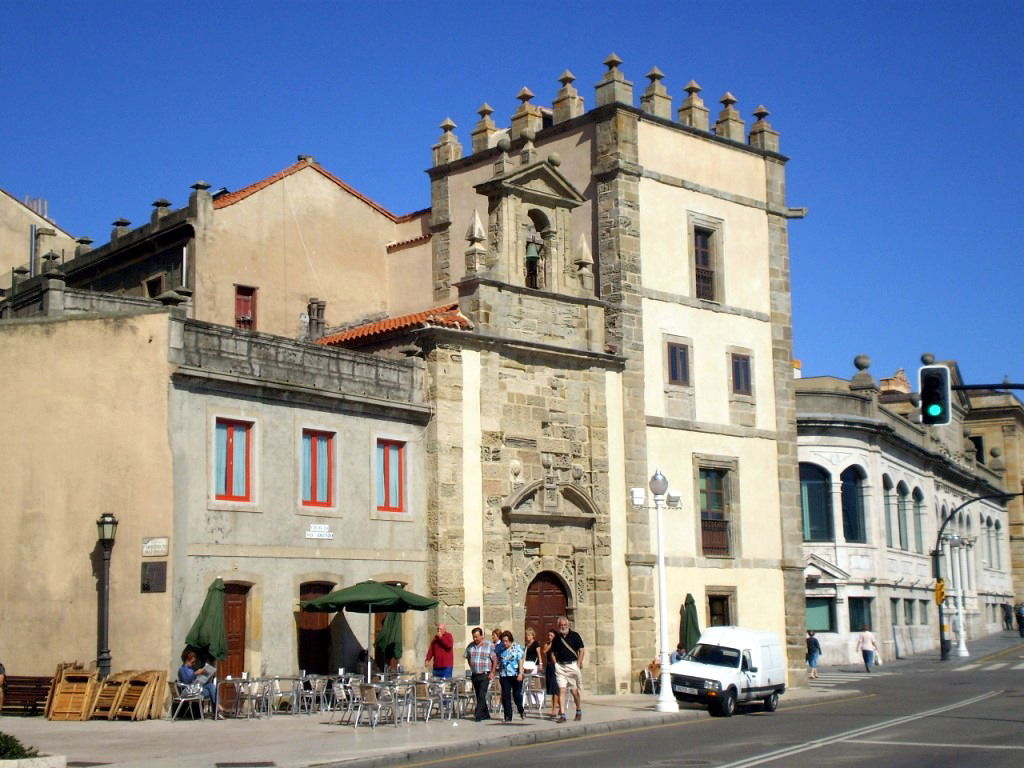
column 771, row 703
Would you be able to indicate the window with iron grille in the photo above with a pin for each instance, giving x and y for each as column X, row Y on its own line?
column 704, row 262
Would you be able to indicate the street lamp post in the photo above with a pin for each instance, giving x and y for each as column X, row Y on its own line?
column 666, row 699
column 937, row 572
column 106, row 528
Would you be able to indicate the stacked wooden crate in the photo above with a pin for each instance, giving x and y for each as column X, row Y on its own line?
column 78, row 695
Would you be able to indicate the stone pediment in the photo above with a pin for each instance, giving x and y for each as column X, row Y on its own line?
column 546, row 503
column 540, row 183
column 820, row 569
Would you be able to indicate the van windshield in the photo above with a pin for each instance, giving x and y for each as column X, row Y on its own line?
column 718, row 655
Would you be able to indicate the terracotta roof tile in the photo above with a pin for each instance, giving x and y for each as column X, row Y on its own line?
column 233, row 197
column 392, row 247
column 447, row 316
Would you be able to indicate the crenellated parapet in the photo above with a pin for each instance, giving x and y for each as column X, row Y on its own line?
column 530, row 118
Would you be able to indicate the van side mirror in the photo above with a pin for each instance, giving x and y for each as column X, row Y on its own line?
column 752, row 670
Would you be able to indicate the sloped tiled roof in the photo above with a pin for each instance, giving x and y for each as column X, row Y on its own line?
column 49, row 221
column 233, row 197
column 447, row 316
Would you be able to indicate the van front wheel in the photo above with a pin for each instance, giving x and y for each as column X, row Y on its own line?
column 771, row 703
column 726, row 704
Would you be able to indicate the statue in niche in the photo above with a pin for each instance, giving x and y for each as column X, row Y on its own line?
column 534, row 254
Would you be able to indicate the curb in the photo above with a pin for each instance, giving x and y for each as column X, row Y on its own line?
column 547, row 736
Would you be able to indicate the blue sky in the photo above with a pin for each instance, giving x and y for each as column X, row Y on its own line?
column 903, row 122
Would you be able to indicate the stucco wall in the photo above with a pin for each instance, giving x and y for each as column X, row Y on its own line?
column 85, row 432
column 264, row 543
column 300, row 237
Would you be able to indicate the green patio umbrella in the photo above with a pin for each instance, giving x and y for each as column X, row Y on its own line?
column 207, row 634
column 389, row 639
column 689, row 626
column 370, row 597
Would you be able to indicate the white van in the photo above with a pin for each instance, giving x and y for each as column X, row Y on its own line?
column 731, row 666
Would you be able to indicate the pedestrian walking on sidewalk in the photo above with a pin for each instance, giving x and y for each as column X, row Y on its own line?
column 440, row 652
column 567, row 651
column 510, row 675
column 1019, row 610
column 482, row 664
column 868, row 647
column 813, row 654
column 550, row 679
column 1007, row 616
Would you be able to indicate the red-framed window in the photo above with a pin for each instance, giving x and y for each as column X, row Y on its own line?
column 245, row 307
column 390, row 476
column 233, row 460
column 317, row 468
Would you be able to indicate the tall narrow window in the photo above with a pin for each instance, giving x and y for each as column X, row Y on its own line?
column 704, row 262
column 317, row 468
column 887, row 505
column 245, row 307
column 918, row 498
column 741, row 384
column 233, row 457
column 714, row 511
column 390, row 476
column 678, row 364
column 902, row 514
column 854, row 530
column 816, row 501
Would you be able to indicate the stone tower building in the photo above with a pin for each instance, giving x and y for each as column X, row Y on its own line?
column 621, row 280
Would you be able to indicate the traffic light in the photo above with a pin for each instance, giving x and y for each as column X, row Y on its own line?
column 933, row 386
column 940, row 591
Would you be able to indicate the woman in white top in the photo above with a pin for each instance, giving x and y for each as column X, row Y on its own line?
column 867, row 645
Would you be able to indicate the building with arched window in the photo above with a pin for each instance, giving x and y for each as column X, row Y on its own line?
column 875, row 488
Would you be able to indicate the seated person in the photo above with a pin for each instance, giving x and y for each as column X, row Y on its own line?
column 187, row 675
column 677, row 654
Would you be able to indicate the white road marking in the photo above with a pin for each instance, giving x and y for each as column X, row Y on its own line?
column 933, row 744
column 778, row 754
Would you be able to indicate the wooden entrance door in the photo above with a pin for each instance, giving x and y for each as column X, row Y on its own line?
column 546, row 600
column 236, row 597
column 314, row 631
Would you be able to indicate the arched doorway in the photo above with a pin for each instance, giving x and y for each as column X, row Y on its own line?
column 546, row 600
column 314, row 639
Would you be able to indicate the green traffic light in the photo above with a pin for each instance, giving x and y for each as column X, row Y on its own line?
column 934, row 409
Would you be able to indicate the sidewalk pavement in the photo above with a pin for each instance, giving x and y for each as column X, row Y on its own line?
column 302, row 741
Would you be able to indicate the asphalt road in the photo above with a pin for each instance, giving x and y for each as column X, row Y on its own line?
column 923, row 714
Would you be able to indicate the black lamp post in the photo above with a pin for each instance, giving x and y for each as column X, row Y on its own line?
column 106, row 529
column 937, row 571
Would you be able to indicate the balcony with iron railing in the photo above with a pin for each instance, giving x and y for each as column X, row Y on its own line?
column 705, row 283
column 715, row 538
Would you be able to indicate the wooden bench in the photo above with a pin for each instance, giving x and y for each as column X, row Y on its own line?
column 26, row 695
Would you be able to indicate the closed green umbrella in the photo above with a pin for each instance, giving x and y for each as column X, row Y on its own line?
column 207, row 634
column 370, row 597
column 689, row 626
column 389, row 639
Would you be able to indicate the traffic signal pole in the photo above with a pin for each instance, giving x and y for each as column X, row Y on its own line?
column 937, row 553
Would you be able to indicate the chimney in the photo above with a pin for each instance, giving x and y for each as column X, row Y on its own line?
column 528, row 117
column 656, row 100
column 121, row 228
column 729, row 124
column 448, row 148
column 161, row 208
column 693, row 112
column 568, row 103
column 762, row 135
column 84, row 246
column 614, row 87
column 484, row 129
